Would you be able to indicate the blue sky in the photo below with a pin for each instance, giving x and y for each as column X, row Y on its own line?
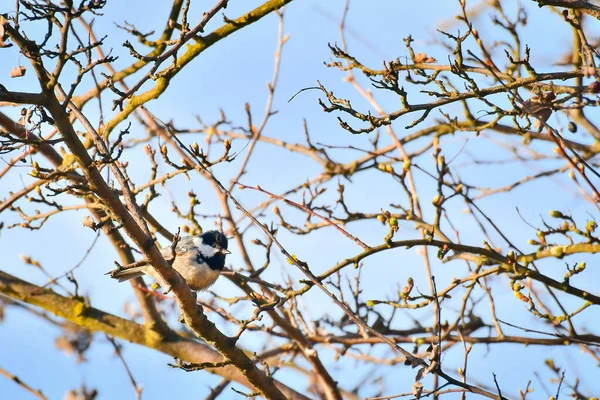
column 228, row 75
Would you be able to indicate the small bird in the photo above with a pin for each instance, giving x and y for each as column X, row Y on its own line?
column 198, row 259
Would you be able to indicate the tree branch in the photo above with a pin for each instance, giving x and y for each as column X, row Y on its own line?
column 79, row 313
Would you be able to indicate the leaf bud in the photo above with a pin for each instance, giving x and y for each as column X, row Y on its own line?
column 556, row 214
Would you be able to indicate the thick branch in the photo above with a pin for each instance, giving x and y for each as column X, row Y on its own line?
column 76, row 311
column 581, row 5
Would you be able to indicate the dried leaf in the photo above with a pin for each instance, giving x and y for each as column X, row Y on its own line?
column 423, row 372
column 420, row 374
column 18, row 72
column 417, row 389
column 423, row 58
column 74, row 341
column 88, row 222
column 31, row 261
column 81, row 394
column 538, row 108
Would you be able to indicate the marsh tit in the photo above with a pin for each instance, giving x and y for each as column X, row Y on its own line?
column 198, row 259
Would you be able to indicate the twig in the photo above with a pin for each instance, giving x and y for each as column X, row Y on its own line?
column 308, row 210
column 18, row 381
column 118, row 351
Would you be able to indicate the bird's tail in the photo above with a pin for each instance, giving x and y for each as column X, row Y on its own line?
column 123, row 275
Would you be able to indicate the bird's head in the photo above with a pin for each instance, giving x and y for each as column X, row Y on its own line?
column 212, row 248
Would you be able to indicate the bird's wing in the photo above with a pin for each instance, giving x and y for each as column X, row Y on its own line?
column 184, row 245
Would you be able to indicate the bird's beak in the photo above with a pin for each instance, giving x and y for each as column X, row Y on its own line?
column 224, row 251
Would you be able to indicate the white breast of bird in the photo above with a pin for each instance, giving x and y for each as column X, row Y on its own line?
column 198, row 276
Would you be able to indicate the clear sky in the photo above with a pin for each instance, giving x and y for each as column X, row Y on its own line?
column 228, row 75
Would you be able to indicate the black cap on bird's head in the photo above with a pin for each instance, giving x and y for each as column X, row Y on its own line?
column 217, row 240
column 218, row 244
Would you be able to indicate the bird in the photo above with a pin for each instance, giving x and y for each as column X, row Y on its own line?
column 198, row 259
